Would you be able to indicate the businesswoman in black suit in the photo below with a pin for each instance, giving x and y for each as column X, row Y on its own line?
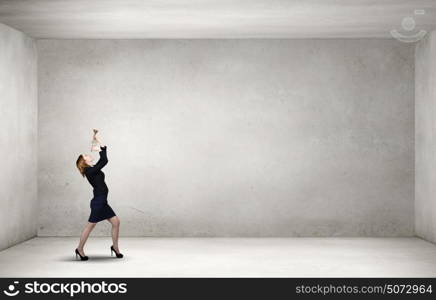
column 100, row 209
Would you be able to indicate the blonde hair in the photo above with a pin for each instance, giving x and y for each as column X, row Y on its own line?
column 81, row 165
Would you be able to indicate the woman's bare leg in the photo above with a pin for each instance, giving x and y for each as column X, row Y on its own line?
column 115, row 221
column 85, row 234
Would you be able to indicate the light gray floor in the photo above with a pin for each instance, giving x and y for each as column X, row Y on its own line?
column 224, row 257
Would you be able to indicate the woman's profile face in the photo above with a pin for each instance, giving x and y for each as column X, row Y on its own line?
column 88, row 158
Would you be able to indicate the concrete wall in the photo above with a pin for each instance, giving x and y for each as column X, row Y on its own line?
column 231, row 137
column 18, row 137
column 425, row 147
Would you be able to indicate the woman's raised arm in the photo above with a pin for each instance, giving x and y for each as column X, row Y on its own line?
column 100, row 163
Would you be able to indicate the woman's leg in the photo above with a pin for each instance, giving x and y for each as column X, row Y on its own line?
column 115, row 221
column 85, row 234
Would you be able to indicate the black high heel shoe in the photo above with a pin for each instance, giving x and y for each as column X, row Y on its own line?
column 119, row 255
column 81, row 257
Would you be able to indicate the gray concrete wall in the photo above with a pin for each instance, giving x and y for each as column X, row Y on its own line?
column 231, row 137
column 425, row 147
column 18, row 137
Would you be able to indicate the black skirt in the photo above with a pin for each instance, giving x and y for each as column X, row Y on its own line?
column 100, row 209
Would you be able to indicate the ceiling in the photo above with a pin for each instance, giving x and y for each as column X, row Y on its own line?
column 125, row 19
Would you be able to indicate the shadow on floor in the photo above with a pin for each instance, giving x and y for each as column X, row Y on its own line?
column 92, row 258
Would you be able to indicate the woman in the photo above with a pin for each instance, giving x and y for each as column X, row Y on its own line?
column 100, row 209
